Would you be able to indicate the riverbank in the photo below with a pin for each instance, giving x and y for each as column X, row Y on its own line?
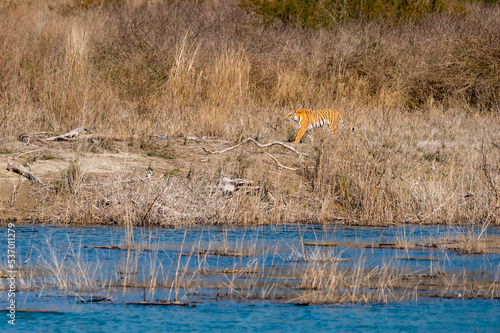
column 156, row 88
column 390, row 171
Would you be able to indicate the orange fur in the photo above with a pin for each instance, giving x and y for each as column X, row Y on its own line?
column 308, row 120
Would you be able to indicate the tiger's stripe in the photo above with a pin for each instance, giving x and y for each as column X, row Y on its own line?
column 308, row 120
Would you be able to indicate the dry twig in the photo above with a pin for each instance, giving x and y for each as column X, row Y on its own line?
column 281, row 165
column 259, row 145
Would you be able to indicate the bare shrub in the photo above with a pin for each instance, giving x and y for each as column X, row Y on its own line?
column 205, row 68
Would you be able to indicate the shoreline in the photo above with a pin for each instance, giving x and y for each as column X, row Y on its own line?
column 180, row 183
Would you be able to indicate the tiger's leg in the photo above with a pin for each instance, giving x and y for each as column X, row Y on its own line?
column 333, row 128
column 302, row 130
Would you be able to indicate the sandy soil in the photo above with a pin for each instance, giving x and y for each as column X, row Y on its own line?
column 112, row 158
column 48, row 160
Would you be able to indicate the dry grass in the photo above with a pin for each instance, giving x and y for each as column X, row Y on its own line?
column 369, row 177
column 183, row 68
column 422, row 97
column 326, row 283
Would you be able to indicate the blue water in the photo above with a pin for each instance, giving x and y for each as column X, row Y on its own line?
column 271, row 249
column 228, row 316
column 274, row 246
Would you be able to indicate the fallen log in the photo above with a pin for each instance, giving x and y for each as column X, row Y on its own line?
column 64, row 137
column 19, row 169
column 160, row 303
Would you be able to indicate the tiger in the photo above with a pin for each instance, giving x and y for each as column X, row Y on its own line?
column 308, row 120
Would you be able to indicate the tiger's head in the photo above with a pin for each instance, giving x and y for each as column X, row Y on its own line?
column 294, row 115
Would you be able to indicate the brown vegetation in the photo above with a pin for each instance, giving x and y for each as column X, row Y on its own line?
column 423, row 98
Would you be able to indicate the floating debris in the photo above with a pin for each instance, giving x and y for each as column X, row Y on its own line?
column 321, row 244
column 95, row 300
column 162, row 303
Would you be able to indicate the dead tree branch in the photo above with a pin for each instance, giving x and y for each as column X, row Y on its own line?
column 259, row 145
column 71, row 134
column 19, row 169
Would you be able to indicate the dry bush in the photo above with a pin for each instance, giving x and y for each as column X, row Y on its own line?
column 382, row 174
column 387, row 174
column 422, row 97
column 211, row 69
column 129, row 199
column 391, row 170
